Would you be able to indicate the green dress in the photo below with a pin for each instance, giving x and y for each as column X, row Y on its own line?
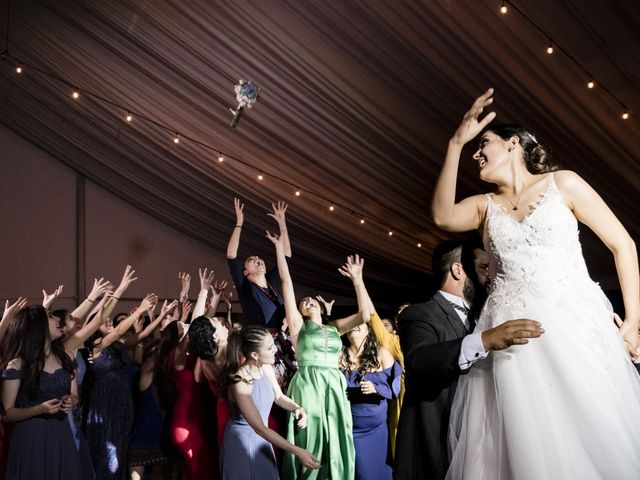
column 320, row 388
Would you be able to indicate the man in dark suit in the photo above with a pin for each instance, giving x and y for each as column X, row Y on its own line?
column 438, row 345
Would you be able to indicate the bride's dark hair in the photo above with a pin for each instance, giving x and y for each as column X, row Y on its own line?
column 537, row 158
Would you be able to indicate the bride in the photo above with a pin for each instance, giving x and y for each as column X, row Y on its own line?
column 567, row 406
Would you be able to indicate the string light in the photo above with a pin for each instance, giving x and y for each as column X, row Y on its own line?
column 129, row 117
column 331, row 208
column 176, row 139
column 19, row 69
column 550, row 48
column 591, row 84
column 260, row 176
column 75, row 95
column 419, row 245
column 625, row 115
column 297, row 192
column 220, row 158
column 390, row 233
column 503, row 8
column 361, row 221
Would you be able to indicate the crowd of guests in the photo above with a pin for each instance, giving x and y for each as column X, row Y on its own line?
column 176, row 389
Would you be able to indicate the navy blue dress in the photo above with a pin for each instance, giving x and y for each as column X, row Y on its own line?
column 109, row 414
column 369, row 412
column 43, row 446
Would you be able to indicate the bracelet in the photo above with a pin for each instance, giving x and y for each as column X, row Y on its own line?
column 113, row 296
column 92, row 301
column 238, row 226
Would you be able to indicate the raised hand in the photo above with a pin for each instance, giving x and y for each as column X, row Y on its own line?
column 127, row 279
column 100, row 286
column 11, row 310
column 205, row 279
column 275, row 239
column 278, row 214
column 48, row 298
column 185, row 283
column 186, row 309
column 239, row 207
column 327, row 305
column 148, row 302
column 168, row 308
column 352, row 268
column 471, row 125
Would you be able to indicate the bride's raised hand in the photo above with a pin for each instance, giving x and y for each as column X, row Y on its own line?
column 471, row 125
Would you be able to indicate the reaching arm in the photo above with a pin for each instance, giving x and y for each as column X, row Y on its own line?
column 217, row 290
column 167, row 309
column 590, row 209
column 48, row 299
column 127, row 279
column 99, row 288
column 353, row 270
column 185, row 283
column 278, row 214
column 234, row 240
column 291, row 309
column 467, row 214
column 9, row 312
column 205, row 282
column 78, row 338
column 126, row 324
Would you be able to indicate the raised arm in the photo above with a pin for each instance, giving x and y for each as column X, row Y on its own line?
column 127, row 279
column 185, row 283
column 466, row 214
column 353, row 269
column 217, row 291
column 278, row 215
column 78, row 338
column 242, row 395
column 100, row 286
column 126, row 324
column 234, row 240
column 590, row 209
column 9, row 312
column 167, row 309
column 49, row 298
column 291, row 308
column 206, row 278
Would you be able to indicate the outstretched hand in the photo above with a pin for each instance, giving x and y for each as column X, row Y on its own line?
column 327, row 305
column 127, row 278
column 205, row 279
column 278, row 214
column 275, row 239
column 11, row 310
column 185, row 283
column 100, row 287
column 471, row 126
column 48, row 298
column 352, row 268
column 239, row 207
column 511, row 332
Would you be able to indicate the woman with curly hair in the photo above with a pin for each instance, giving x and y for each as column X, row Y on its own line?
column 373, row 378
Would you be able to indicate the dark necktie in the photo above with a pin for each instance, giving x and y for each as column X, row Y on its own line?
column 460, row 308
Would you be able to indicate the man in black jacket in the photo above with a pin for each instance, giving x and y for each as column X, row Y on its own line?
column 438, row 345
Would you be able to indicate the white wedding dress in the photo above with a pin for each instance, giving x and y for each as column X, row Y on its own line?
column 566, row 405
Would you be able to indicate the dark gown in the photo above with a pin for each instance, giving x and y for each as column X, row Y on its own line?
column 43, row 447
column 110, row 412
column 370, row 431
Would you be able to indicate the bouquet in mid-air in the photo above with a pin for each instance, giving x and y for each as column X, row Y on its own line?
column 247, row 93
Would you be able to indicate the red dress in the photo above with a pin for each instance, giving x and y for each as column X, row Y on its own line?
column 187, row 424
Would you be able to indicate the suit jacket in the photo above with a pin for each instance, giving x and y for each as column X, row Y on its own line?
column 431, row 336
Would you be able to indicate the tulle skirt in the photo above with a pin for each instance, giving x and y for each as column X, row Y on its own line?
column 565, row 406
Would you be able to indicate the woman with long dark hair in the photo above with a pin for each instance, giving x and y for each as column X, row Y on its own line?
column 373, row 378
column 37, row 390
column 567, row 405
column 247, row 451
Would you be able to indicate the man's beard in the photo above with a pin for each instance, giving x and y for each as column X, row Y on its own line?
column 469, row 291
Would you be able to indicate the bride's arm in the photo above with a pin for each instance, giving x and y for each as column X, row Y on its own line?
column 466, row 214
column 590, row 209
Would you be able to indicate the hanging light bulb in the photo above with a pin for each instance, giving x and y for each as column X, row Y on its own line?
column 361, row 221
column 19, row 69
column 419, row 245
column 220, row 158
column 625, row 115
column 591, row 84
column 75, row 95
column 297, row 192
column 129, row 117
column 332, row 208
column 260, row 176
column 390, row 233
column 503, row 8
column 176, row 139
column 550, row 48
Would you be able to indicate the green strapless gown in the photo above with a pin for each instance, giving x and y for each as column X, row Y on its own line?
column 320, row 388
